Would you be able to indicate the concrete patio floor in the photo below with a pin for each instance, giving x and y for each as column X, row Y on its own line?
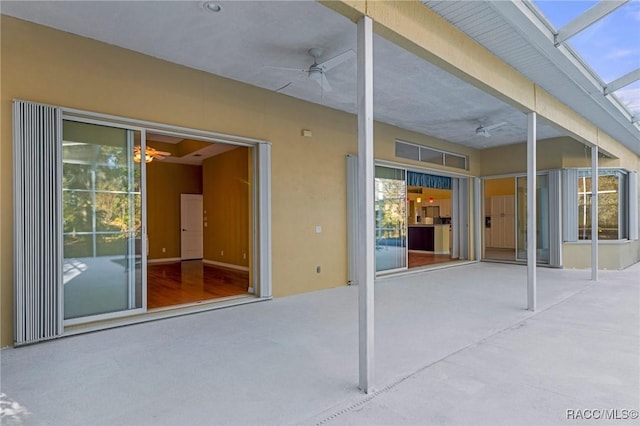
column 453, row 346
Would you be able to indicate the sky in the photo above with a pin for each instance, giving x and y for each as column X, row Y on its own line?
column 611, row 46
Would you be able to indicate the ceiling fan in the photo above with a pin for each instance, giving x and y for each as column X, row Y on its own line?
column 484, row 130
column 317, row 71
column 150, row 154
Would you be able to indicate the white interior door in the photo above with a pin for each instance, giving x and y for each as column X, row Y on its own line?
column 191, row 226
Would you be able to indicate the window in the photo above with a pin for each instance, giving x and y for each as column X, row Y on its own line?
column 430, row 155
column 612, row 206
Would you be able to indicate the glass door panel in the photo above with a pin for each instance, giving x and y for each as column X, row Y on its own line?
column 542, row 214
column 102, row 220
column 391, row 223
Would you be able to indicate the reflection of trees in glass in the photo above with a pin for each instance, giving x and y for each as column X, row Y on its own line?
column 390, row 208
column 608, row 205
column 99, row 186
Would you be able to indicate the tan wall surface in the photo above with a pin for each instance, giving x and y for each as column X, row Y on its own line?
column 165, row 183
column 551, row 154
column 226, row 192
column 308, row 174
column 500, row 186
column 610, row 255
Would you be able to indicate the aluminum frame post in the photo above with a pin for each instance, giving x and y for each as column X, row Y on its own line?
column 366, row 226
column 531, row 212
column 594, row 213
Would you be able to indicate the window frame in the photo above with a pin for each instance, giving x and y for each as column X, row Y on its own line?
column 623, row 204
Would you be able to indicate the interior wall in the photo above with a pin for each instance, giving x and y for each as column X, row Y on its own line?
column 226, row 192
column 165, row 183
column 500, row 186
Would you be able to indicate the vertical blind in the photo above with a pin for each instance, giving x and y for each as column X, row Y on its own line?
column 37, row 220
column 570, row 204
column 555, row 218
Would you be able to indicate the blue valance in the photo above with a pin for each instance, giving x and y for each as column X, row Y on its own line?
column 428, row 181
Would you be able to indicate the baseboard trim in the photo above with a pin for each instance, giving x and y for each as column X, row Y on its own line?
column 164, row 260
column 225, row 265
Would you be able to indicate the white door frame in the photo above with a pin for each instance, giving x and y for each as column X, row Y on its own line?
column 261, row 233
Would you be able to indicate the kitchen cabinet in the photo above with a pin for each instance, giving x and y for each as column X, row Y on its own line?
column 502, row 221
column 430, row 238
column 443, row 205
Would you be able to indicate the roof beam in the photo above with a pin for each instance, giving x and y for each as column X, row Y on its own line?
column 588, row 18
column 623, row 81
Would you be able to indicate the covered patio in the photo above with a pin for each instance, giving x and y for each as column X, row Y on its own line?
column 453, row 346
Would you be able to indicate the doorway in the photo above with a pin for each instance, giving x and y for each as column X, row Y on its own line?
column 500, row 219
column 199, row 222
column 505, row 223
column 105, row 227
column 422, row 219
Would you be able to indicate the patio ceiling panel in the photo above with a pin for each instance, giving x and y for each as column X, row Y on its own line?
column 529, row 47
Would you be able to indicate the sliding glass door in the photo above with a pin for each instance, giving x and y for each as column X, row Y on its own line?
column 391, row 222
column 542, row 214
column 102, row 213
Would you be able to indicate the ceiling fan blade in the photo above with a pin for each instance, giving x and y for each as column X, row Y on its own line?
column 163, row 153
column 495, row 126
column 288, row 69
column 326, row 87
column 337, row 60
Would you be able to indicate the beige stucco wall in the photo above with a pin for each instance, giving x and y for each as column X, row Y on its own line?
column 308, row 174
column 611, row 255
column 551, row 154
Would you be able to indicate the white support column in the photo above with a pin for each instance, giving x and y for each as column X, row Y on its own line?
column 366, row 226
column 478, row 219
column 594, row 213
column 531, row 212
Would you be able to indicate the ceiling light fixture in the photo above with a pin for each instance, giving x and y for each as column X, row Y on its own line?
column 137, row 156
column 210, row 6
column 149, row 154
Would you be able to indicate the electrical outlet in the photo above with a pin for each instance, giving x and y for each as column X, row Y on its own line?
column 164, row 249
column 318, row 269
column 221, row 252
column 244, row 255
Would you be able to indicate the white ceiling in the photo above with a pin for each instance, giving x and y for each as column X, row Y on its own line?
column 247, row 38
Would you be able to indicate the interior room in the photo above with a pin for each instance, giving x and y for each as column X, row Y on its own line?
column 413, row 219
column 198, row 221
column 500, row 219
column 429, row 213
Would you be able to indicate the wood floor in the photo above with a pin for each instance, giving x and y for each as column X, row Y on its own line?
column 191, row 281
column 425, row 259
column 494, row 253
